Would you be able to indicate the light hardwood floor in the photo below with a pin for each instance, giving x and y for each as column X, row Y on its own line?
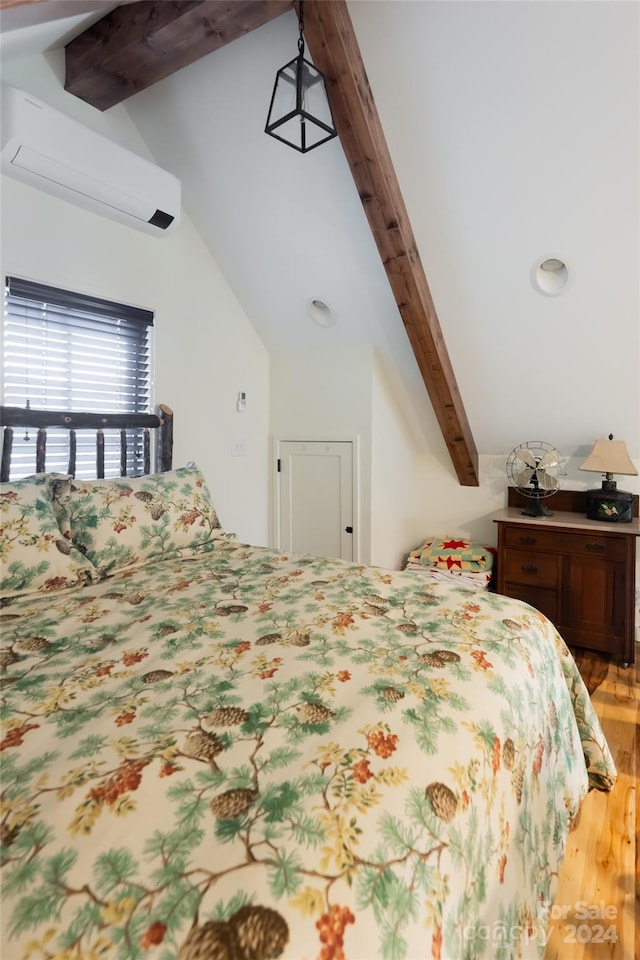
column 599, row 883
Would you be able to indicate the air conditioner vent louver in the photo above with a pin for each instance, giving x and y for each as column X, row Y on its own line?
column 161, row 219
column 52, row 151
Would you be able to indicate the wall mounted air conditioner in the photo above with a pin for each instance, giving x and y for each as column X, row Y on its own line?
column 49, row 150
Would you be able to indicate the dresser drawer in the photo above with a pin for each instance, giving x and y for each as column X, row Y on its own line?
column 575, row 544
column 531, row 568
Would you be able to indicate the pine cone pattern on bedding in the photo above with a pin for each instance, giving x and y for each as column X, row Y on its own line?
column 233, row 803
column 508, row 753
column 443, row 801
column 262, row 933
column 156, row 676
column 214, row 940
column 449, row 656
column 314, row 713
column 32, row 645
column 202, row 745
column 517, row 779
column 7, row 657
column 251, row 933
column 228, row 610
column 431, row 659
column 376, row 599
column 377, row 611
column 267, row 639
column 283, row 778
column 226, row 717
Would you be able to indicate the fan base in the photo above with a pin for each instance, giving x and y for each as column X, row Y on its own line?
column 537, row 509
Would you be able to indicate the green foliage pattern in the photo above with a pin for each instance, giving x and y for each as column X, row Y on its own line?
column 246, row 727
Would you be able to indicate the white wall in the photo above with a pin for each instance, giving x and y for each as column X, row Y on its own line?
column 206, row 350
column 514, row 132
column 325, row 394
column 415, row 493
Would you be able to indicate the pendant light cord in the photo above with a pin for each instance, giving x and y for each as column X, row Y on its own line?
column 301, row 29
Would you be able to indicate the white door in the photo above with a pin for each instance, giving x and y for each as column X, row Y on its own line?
column 316, row 497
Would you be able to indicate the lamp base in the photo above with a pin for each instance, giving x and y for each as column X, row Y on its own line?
column 610, row 504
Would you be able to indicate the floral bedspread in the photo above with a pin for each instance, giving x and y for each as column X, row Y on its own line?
column 250, row 755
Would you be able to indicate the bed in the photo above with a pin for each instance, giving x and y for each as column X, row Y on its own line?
column 216, row 750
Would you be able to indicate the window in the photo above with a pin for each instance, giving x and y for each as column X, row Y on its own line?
column 67, row 351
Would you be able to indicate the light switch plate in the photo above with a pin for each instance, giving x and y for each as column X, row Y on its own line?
column 238, row 447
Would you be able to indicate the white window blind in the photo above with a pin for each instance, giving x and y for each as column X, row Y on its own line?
column 68, row 351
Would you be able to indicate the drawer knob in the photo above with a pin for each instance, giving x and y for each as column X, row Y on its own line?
column 596, row 547
column 529, row 568
column 527, row 541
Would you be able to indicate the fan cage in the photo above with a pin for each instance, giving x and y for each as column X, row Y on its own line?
column 536, row 469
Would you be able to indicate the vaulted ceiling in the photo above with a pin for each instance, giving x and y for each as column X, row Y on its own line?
column 138, row 44
column 513, row 133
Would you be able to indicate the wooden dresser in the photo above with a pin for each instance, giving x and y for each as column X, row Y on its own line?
column 580, row 573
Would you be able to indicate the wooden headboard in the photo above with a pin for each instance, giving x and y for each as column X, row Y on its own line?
column 22, row 417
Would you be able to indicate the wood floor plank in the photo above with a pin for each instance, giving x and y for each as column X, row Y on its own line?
column 600, row 870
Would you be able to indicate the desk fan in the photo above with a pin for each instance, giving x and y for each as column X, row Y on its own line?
column 536, row 470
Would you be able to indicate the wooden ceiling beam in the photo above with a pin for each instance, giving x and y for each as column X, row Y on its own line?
column 138, row 44
column 6, row 4
column 334, row 50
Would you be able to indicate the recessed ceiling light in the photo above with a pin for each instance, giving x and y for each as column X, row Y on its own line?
column 320, row 312
column 550, row 276
column 552, row 264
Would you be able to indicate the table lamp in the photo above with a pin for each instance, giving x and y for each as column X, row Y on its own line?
column 608, row 503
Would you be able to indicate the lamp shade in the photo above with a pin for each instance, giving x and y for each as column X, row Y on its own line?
column 609, row 456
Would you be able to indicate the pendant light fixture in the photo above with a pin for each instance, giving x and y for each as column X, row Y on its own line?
column 299, row 113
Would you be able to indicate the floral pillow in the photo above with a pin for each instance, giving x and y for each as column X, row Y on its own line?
column 35, row 555
column 124, row 522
